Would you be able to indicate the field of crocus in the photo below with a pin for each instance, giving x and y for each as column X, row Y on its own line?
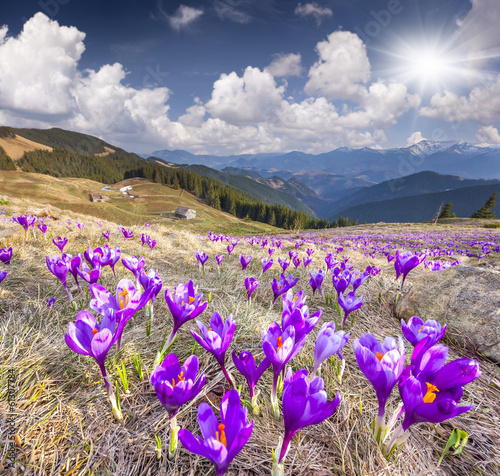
column 148, row 350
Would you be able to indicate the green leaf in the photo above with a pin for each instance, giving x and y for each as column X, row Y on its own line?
column 458, row 439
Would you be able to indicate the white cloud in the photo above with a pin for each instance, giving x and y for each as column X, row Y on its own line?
column 246, row 100
column 285, row 65
column 38, row 68
column 415, row 138
column 488, row 135
column 184, row 16
column 342, row 69
column 313, row 9
column 41, row 85
column 478, row 32
column 482, row 105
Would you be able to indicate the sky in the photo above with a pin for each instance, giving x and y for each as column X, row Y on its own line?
column 247, row 76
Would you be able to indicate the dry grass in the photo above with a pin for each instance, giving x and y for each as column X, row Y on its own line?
column 63, row 417
column 15, row 148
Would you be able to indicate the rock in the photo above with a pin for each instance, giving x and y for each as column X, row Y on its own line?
column 464, row 297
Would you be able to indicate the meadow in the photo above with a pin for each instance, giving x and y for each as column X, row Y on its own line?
column 63, row 418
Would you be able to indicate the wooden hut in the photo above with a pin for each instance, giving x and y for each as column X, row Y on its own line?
column 183, row 212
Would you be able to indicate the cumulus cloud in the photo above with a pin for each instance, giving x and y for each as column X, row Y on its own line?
column 488, row 135
column 285, row 65
column 41, row 85
column 183, row 17
column 342, row 69
column 249, row 99
column 415, row 138
column 482, row 105
column 314, row 10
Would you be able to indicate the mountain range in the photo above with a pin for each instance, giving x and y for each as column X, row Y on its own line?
column 399, row 184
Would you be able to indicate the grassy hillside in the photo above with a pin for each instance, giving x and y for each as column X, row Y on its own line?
column 153, row 203
column 258, row 190
column 418, row 208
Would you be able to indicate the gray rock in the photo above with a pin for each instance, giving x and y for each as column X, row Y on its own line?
column 464, row 297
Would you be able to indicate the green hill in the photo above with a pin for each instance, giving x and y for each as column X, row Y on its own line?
column 419, row 208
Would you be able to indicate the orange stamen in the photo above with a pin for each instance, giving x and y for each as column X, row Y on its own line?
column 191, row 299
column 295, row 298
column 421, row 328
column 380, row 356
column 123, row 298
column 95, row 331
column 430, row 395
column 222, row 437
column 280, row 345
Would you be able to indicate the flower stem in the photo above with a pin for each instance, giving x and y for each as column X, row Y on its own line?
column 174, row 440
column 226, row 374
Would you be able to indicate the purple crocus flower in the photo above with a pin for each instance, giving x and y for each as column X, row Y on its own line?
column 124, row 304
column 151, row 243
column 144, row 238
column 99, row 223
column 245, row 261
column 219, row 259
column 328, row 343
column 126, row 233
column 247, row 366
column 296, row 262
column 73, row 265
column 304, row 403
column 43, row 228
column 60, row 243
column 283, row 263
column 266, row 264
column 151, row 280
column 306, row 261
column 271, row 251
column 3, row 274
column 25, row 221
column 316, row 281
column 175, row 385
column 349, row 304
column 6, row 255
column 416, row 330
column 309, row 251
column 59, row 268
column 250, row 285
column 50, row 302
column 184, row 306
column 405, row 262
column 202, row 258
column 432, row 392
column 292, row 254
column 341, row 281
column 88, row 274
column 358, row 278
column 230, row 249
column 283, row 286
column 292, row 302
column 106, row 234
column 300, row 320
column 114, row 257
column 80, row 225
column 216, row 339
column 135, row 265
column 86, row 337
column 222, row 441
column 382, row 364
column 280, row 347
column 330, row 261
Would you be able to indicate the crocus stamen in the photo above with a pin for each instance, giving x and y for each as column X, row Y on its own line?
column 95, row 331
column 222, row 437
column 124, row 298
column 181, row 376
column 191, row 299
column 380, row 356
column 430, row 396
column 295, row 298
column 279, row 343
column 421, row 329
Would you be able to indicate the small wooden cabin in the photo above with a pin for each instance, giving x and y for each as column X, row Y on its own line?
column 183, row 212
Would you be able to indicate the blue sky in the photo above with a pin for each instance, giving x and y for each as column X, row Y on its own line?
column 244, row 76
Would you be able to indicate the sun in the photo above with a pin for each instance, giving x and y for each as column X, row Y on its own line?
column 429, row 66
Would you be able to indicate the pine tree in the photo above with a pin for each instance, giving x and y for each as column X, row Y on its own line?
column 486, row 211
column 446, row 211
